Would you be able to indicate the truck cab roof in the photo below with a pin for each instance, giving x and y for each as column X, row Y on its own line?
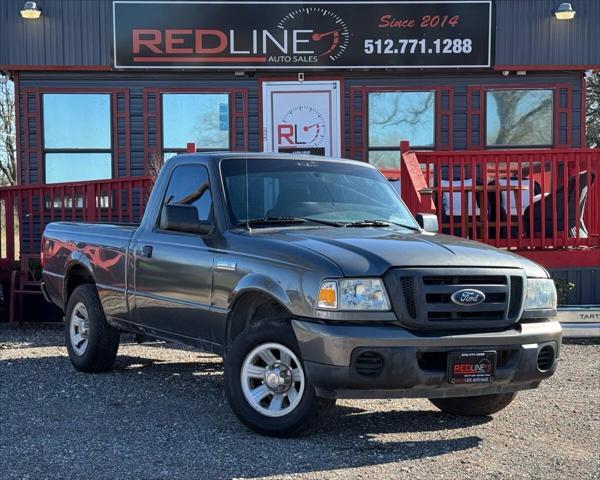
column 212, row 158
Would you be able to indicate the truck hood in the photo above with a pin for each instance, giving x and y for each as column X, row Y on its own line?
column 372, row 251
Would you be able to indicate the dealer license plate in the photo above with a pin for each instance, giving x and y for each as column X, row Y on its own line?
column 471, row 367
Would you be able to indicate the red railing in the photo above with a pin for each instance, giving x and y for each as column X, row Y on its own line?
column 25, row 210
column 518, row 199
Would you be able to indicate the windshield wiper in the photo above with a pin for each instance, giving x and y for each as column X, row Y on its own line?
column 368, row 223
column 378, row 223
column 273, row 220
column 322, row 222
column 409, row 227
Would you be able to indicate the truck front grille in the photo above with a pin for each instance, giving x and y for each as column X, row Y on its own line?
column 422, row 297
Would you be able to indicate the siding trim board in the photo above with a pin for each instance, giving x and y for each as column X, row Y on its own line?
column 56, row 68
column 32, row 141
column 17, row 96
column 546, row 68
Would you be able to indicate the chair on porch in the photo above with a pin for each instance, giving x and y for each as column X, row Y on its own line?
column 23, row 282
column 572, row 197
column 507, row 191
column 455, row 217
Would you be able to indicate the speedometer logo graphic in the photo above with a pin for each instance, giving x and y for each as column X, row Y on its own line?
column 330, row 36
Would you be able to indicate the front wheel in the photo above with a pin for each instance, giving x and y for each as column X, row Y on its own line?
column 474, row 406
column 266, row 383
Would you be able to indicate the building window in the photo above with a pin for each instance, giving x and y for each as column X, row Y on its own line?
column 520, row 118
column 201, row 118
column 77, row 137
column 397, row 116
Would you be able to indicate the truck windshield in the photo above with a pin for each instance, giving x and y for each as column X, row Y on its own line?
column 326, row 192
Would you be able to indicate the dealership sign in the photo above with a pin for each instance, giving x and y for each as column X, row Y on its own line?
column 302, row 35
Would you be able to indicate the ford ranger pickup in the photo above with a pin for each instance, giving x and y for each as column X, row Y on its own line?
column 314, row 282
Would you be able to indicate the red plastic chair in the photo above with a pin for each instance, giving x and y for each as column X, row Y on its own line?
column 22, row 283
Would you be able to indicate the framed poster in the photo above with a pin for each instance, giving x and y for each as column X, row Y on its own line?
column 302, row 117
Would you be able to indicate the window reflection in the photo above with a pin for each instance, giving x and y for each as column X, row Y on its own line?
column 519, row 117
column 76, row 120
column 185, row 182
column 397, row 116
column 77, row 167
column 202, row 118
column 77, row 137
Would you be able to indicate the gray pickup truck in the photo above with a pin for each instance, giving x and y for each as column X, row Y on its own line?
column 314, row 282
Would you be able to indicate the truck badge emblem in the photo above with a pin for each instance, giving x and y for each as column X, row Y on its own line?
column 468, row 297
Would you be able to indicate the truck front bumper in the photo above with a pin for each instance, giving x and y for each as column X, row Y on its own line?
column 415, row 365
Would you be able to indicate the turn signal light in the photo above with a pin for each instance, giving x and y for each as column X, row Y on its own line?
column 328, row 295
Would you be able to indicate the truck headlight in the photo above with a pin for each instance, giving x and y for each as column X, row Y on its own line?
column 353, row 294
column 541, row 294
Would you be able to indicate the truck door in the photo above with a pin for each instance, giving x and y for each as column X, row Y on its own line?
column 173, row 270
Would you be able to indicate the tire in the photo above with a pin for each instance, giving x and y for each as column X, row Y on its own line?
column 92, row 343
column 297, row 412
column 474, row 406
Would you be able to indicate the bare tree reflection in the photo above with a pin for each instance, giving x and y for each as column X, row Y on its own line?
column 519, row 117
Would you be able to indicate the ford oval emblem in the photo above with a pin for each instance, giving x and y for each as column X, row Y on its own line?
column 468, row 297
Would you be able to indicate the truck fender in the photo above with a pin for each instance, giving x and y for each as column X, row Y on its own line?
column 256, row 282
column 75, row 259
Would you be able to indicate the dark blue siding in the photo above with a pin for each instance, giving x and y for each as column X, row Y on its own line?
column 528, row 34
column 585, row 281
column 79, row 32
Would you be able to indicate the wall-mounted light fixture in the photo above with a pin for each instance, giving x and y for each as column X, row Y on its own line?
column 564, row 12
column 31, row 11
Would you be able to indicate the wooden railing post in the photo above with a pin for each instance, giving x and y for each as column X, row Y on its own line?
column 415, row 191
column 90, row 195
column 9, row 222
column 404, row 146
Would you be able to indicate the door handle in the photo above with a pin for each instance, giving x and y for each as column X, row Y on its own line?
column 146, row 251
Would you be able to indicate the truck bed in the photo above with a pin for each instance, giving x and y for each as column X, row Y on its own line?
column 102, row 248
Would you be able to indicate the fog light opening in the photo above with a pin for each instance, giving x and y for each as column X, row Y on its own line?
column 546, row 357
column 369, row 364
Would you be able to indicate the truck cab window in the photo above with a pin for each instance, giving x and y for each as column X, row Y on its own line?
column 189, row 185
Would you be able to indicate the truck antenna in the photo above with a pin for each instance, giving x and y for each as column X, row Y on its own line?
column 247, row 194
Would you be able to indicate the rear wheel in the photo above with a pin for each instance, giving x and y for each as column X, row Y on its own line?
column 91, row 342
column 266, row 383
column 474, row 406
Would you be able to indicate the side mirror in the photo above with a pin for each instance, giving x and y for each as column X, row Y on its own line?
column 183, row 218
column 428, row 222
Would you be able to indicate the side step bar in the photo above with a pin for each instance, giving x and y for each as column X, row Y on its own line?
column 580, row 321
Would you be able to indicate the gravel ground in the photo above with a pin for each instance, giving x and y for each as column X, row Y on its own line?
column 162, row 414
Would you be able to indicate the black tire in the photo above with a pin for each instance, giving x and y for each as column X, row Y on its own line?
column 102, row 339
column 310, row 408
column 474, row 406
